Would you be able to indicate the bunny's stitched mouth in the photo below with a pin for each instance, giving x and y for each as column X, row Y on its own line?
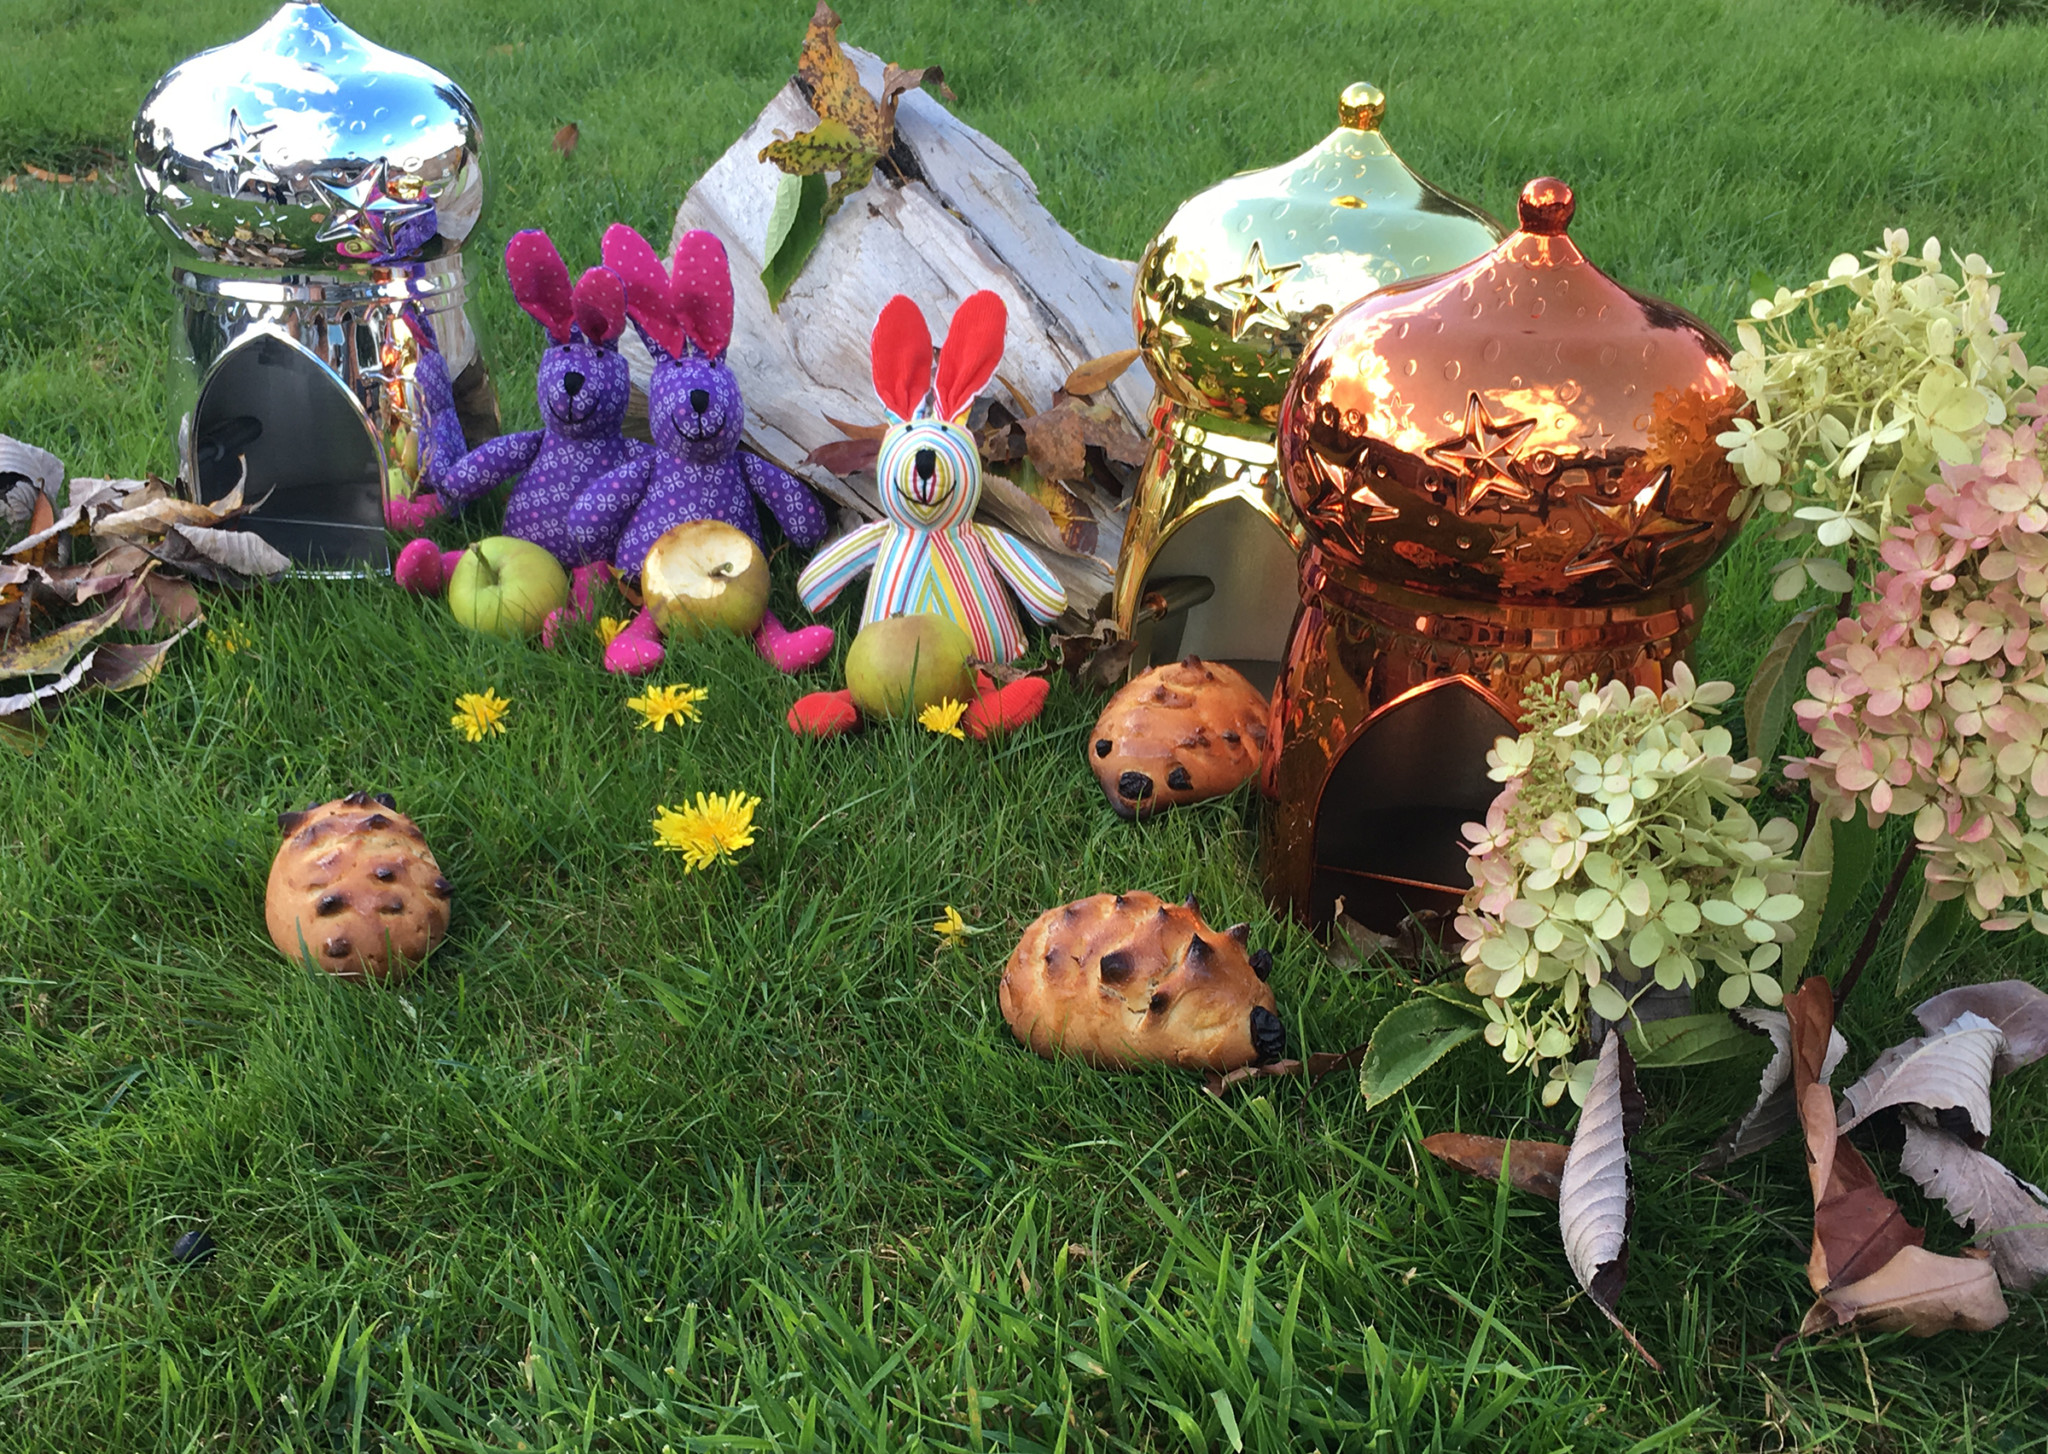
column 704, row 430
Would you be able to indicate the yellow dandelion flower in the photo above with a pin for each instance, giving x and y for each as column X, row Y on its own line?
column 229, row 638
column 607, row 628
column 712, row 828
column 478, row 715
column 944, row 718
column 663, row 704
column 952, row 930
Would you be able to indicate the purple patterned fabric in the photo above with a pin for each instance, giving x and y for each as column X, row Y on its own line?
column 583, row 391
column 698, row 472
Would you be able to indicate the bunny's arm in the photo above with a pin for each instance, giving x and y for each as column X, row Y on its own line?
column 1040, row 591
column 838, row 563
column 788, row 498
column 487, row 466
column 601, row 511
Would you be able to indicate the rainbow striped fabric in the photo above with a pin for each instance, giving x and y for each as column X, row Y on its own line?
column 930, row 555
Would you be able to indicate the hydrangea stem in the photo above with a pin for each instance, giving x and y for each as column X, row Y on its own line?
column 1868, row 947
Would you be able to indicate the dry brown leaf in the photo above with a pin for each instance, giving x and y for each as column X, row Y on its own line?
column 53, row 651
column 566, row 139
column 2009, row 1216
column 846, row 456
column 1098, row 658
column 229, row 557
column 1774, row 1112
column 22, row 701
column 1917, row 1292
column 1595, row 1193
column 1949, row 1070
column 1098, row 374
column 1535, row 1167
column 123, row 667
column 896, row 82
column 39, row 546
column 1053, row 443
column 1867, row 1261
column 2013, row 1005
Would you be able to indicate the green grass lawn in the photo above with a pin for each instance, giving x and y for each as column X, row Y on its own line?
column 744, row 1159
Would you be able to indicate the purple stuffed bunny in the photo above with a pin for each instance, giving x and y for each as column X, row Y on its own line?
column 583, row 387
column 697, row 470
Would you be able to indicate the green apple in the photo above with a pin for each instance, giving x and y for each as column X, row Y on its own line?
column 705, row 575
column 898, row 667
column 504, row 586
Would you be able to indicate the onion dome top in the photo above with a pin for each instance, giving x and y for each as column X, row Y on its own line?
column 305, row 146
column 1522, row 426
column 1243, row 275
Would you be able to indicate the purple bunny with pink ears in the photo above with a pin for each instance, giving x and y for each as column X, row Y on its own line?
column 697, row 470
column 583, row 387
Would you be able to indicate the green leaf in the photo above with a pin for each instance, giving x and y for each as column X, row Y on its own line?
column 1855, row 854
column 1689, row 1040
column 1762, row 285
column 1781, row 677
column 1409, row 1041
column 1816, row 876
column 794, row 228
column 1451, row 992
column 1933, row 933
column 830, row 146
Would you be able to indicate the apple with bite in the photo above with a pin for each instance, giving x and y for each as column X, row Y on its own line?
column 505, row 586
column 705, row 575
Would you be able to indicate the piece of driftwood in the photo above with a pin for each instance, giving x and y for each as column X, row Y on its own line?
column 964, row 216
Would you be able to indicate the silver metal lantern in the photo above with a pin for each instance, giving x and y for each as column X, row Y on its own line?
column 320, row 189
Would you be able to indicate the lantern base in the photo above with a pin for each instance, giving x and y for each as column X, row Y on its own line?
column 310, row 382
column 1383, row 715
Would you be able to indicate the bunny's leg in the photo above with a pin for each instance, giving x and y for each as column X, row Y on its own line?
column 600, row 513
column 788, row 499
column 583, row 583
column 637, row 649
column 792, row 651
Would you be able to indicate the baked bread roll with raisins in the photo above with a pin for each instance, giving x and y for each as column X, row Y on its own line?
column 355, row 886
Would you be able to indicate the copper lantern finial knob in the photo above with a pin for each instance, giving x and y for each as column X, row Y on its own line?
column 1362, row 106
column 1545, row 207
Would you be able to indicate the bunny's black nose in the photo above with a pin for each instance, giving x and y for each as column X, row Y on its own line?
column 927, row 462
column 571, row 383
column 700, row 399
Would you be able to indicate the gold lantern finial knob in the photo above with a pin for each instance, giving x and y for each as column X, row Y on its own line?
column 1361, row 106
column 1545, row 207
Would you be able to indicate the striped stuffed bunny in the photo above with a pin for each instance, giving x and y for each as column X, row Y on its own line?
column 930, row 555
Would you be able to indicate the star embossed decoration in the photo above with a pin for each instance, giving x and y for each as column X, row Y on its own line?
column 241, row 155
column 1483, row 460
column 368, row 212
column 1257, row 293
column 1631, row 535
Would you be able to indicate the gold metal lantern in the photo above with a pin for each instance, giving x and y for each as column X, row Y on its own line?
column 1504, row 471
column 1229, row 293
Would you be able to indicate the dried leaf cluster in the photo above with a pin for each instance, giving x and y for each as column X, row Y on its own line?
column 854, row 134
column 55, row 611
column 1868, row 1264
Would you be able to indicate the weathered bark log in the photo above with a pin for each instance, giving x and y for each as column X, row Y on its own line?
column 965, row 217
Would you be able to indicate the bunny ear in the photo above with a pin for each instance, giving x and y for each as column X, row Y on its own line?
column 601, row 305
column 901, row 350
column 647, row 298
column 973, row 348
column 540, row 281
column 701, row 288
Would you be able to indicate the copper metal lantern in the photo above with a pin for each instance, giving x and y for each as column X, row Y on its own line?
column 1228, row 295
column 319, row 189
column 1505, row 471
